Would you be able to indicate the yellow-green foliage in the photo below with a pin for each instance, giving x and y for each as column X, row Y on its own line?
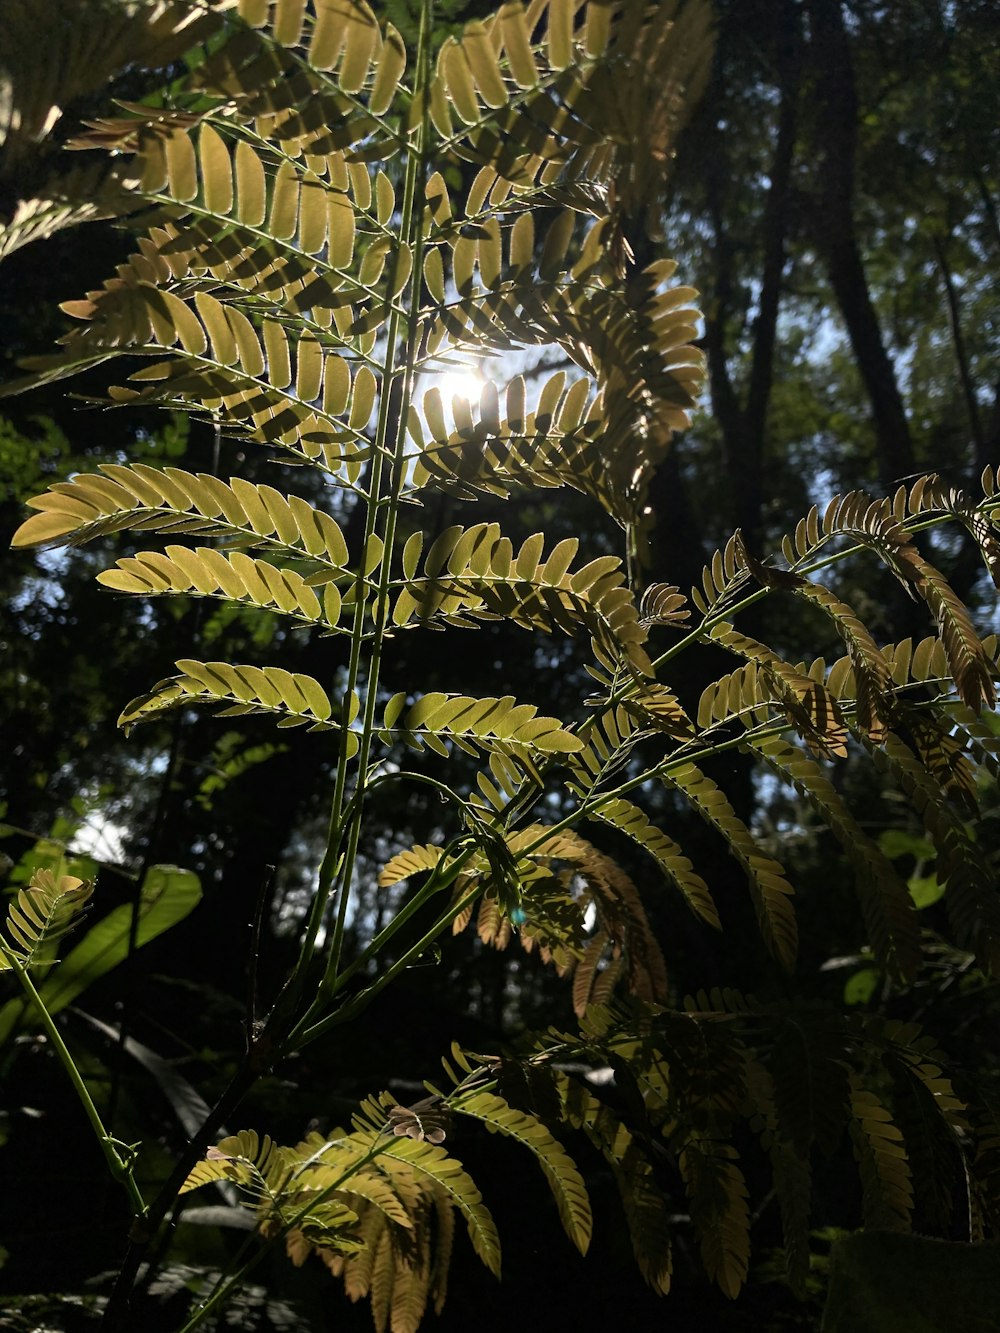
column 308, row 256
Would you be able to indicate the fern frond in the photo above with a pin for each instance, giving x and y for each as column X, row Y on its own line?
column 885, row 1170
column 342, row 39
column 886, row 904
column 564, row 1179
column 150, row 499
column 770, row 891
column 647, row 1213
column 717, row 1194
column 296, row 700
column 281, row 388
column 541, row 92
column 41, row 914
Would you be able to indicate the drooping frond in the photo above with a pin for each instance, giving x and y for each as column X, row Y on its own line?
column 885, row 1170
column 792, row 1176
column 885, row 901
column 969, row 665
column 770, row 891
column 647, row 1211
column 971, row 897
column 416, row 1157
column 562, row 1175
column 805, row 701
column 797, row 1076
column 377, row 1209
column 871, row 672
column 880, row 524
column 717, row 1195
column 622, row 917
column 537, row 885
column 635, row 824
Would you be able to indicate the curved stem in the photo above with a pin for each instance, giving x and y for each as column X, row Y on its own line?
column 120, row 1168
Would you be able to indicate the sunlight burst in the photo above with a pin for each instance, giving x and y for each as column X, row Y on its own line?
column 459, row 381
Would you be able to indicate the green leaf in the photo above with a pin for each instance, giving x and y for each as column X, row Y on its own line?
column 426, row 1159
column 925, row 890
column 860, row 988
column 564, row 1179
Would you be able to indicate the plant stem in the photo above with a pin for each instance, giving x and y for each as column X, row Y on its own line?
column 411, row 233
column 120, row 1168
column 335, row 869
column 357, row 1003
column 116, row 1316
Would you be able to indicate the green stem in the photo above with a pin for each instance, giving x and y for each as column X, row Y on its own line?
column 411, row 232
column 331, row 868
column 357, row 1003
column 442, row 877
column 120, row 1169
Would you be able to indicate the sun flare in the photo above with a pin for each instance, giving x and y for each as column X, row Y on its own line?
column 459, row 382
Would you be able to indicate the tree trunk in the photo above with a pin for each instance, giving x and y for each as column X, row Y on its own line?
column 835, row 232
column 744, row 425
